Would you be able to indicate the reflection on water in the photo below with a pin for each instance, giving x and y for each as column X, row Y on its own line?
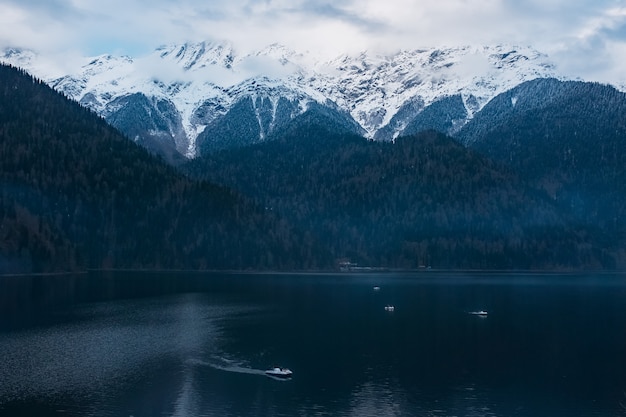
column 198, row 346
column 187, row 402
column 106, row 350
column 384, row 398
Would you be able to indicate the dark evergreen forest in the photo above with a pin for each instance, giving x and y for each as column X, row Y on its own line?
column 510, row 193
column 422, row 201
column 568, row 140
column 75, row 194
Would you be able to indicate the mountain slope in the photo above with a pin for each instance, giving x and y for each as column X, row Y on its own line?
column 445, row 115
column 423, row 200
column 567, row 137
column 76, row 194
column 189, row 94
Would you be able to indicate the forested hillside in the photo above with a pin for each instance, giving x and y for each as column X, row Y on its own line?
column 422, row 201
column 242, row 126
column 568, row 139
column 75, row 194
column 540, row 185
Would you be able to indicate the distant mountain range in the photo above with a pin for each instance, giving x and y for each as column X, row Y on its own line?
column 457, row 158
column 195, row 98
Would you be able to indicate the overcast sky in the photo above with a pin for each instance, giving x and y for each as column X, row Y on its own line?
column 584, row 37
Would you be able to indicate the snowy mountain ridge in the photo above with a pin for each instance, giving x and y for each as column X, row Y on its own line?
column 189, row 87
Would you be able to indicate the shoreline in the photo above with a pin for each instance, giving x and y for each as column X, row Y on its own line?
column 360, row 271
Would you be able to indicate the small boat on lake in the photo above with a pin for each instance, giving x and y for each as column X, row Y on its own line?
column 389, row 308
column 481, row 313
column 278, row 372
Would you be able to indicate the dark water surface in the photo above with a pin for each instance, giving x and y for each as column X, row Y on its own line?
column 139, row 344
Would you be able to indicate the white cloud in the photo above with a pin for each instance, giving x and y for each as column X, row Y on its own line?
column 606, row 22
column 567, row 29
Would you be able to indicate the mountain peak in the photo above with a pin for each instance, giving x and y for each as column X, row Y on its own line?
column 195, row 55
column 23, row 58
column 199, row 82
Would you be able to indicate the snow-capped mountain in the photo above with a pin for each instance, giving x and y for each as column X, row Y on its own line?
column 188, row 96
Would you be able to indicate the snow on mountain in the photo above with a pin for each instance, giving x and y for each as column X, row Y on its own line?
column 191, row 86
column 374, row 88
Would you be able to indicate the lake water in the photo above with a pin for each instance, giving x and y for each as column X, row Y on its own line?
column 129, row 344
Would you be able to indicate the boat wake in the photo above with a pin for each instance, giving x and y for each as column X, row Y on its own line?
column 228, row 365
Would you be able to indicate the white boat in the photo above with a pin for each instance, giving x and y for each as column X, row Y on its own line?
column 481, row 313
column 389, row 308
column 278, row 372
